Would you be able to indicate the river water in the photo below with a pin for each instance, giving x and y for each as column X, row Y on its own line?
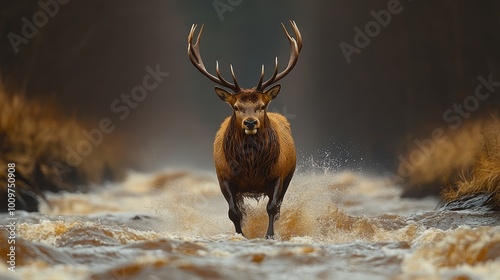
column 172, row 224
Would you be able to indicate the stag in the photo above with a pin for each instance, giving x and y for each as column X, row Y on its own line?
column 254, row 152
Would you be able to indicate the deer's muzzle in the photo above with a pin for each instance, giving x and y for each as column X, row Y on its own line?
column 250, row 125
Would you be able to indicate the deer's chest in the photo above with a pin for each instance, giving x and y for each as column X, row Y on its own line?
column 252, row 162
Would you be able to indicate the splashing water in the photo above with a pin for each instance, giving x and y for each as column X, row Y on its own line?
column 173, row 225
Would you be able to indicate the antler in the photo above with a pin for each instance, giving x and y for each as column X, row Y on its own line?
column 195, row 57
column 295, row 48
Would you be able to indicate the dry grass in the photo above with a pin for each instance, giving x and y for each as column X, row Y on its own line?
column 454, row 155
column 466, row 163
column 34, row 136
column 485, row 178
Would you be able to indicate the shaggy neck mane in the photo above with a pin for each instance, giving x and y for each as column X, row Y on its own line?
column 251, row 157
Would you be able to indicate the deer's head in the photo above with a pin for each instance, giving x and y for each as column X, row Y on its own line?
column 249, row 105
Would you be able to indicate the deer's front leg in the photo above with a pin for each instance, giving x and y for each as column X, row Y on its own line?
column 234, row 201
column 273, row 207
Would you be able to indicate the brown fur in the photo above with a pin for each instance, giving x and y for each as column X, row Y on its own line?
column 254, row 165
column 254, row 159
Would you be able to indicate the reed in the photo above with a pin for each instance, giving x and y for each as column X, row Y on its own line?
column 454, row 154
column 485, row 177
column 34, row 136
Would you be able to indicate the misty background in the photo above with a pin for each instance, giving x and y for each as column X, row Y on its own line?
column 361, row 114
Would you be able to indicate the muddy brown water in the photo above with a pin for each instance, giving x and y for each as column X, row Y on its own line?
column 173, row 225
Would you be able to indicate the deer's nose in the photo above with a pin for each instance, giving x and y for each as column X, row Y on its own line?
column 250, row 123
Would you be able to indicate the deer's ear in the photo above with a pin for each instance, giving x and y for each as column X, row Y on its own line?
column 271, row 93
column 225, row 95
